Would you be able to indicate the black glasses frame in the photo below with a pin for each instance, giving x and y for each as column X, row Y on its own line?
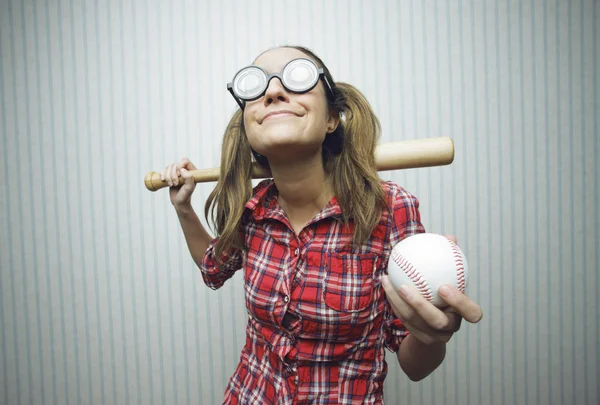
column 321, row 76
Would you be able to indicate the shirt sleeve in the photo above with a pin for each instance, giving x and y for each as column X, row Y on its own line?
column 215, row 276
column 405, row 221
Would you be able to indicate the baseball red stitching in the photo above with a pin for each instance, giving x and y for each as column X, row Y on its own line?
column 460, row 266
column 413, row 274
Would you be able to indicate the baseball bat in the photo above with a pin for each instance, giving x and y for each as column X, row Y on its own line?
column 388, row 156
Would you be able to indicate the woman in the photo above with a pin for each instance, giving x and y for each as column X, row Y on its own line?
column 313, row 242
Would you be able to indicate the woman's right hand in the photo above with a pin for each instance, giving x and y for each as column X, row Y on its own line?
column 180, row 193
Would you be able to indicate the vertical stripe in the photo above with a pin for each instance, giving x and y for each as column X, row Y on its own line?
column 42, row 190
column 466, row 189
column 559, row 200
column 90, row 175
column 596, row 138
column 499, row 135
column 477, row 185
column 413, row 58
column 45, row 265
column 523, row 132
column 169, row 274
column 584, row 199
column 19, row 214
column 487, row 153
column 79, row 225
column 7, row 207
column 536, row 199
column 68, row 193
column 199, row 361
column 184, row 270
column 24, row 200
column 139, row 204
column 509, row 222
column 52, row 273
column 167, row 251
column 427, row 134
column 143, row 240
column 105, row 220
column 440, row 176
column 111, row 149
column 571, row 209
column 125, row 169
column 549, row 221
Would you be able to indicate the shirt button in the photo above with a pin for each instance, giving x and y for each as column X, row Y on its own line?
column 296, row 252
column 286, row 299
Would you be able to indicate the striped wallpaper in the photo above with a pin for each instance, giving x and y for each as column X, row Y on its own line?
column 100, row 301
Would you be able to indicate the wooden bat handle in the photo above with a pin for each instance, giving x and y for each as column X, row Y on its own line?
column 388, row 156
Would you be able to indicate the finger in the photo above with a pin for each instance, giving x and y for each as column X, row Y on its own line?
column 431, row 315
column 401, row 308
column 455, row 320
column 404, row 311
column 463, row 305
column 170, row 175
column 175, row 174
column 187, row 177
column 167, row 175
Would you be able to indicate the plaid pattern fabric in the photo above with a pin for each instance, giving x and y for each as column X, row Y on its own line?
column 318, row 318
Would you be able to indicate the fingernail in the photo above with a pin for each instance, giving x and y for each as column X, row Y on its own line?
column 405, row 290
column 445, row 290
column 385, row 280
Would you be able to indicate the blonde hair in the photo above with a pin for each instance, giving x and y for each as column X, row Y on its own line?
column 348, row 157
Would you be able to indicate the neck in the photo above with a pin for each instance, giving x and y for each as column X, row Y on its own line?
column 304, row 187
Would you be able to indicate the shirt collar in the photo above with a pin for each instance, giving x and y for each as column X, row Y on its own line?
column 264, row 203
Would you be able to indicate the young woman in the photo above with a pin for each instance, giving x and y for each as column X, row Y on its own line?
column 313, row 242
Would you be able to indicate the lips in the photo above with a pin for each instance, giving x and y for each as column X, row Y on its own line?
column 279, row 112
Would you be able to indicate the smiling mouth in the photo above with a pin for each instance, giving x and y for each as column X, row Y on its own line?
column 281, row 114
column 276, row 114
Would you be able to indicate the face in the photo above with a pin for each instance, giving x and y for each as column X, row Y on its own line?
column 282, row 125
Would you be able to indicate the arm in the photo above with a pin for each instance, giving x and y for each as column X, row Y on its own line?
column 196, row 237
column 418, row 360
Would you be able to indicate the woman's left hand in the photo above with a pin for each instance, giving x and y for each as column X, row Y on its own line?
column 426, row 322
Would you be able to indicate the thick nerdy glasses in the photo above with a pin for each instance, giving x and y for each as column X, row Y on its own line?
column 298, row 76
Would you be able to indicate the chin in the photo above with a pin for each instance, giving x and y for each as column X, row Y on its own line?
column 278, row 136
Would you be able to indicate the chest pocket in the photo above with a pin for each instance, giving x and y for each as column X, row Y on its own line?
column 349, row 281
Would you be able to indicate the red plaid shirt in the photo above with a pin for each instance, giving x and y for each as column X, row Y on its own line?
column 318, row 317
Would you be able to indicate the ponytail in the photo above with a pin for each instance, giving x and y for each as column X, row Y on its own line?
column 354, row 175
column 225, row 204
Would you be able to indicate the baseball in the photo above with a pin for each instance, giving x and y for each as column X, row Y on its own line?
column 428, row 261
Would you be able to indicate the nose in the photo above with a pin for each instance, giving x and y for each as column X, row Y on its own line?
column 275, row 91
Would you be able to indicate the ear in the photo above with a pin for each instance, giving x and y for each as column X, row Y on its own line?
column 333, row 120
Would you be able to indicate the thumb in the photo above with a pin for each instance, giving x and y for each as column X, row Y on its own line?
column 187, row 177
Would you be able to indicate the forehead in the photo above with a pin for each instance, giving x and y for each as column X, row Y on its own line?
column 273, row 60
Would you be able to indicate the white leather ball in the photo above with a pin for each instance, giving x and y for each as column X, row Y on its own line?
column 427, row 261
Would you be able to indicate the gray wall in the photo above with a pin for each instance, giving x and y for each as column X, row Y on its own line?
column 100, row 300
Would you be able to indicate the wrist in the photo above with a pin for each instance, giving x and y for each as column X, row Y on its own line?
column 417, row 344
column 184, row 209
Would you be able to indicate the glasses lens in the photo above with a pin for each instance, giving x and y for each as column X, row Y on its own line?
column 300, row 75
column 249, row 83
